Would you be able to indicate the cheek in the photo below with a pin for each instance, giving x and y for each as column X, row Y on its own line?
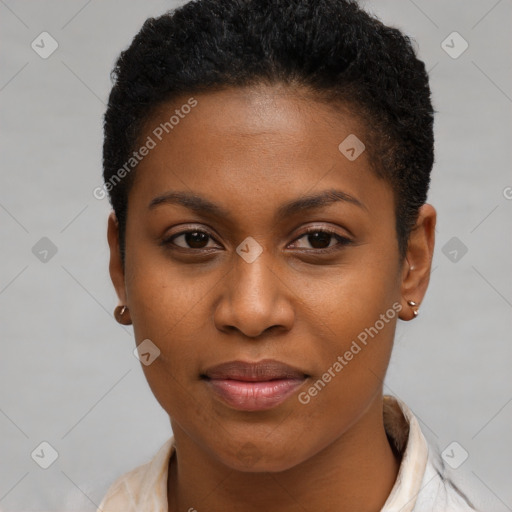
column 173, row 317
column 168, row 310
column 354, row 344
column 355, row 297
column 164, row 297
column 356, row 317
column 352, row 363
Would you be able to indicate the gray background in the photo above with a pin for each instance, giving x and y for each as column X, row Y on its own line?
column 68, row 375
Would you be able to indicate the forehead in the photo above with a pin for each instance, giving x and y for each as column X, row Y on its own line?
column 246, row 146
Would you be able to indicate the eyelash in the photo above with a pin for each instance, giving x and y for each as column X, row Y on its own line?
column 342, row 241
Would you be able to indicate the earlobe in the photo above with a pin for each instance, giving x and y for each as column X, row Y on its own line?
column 116, row 267
column 418, row 262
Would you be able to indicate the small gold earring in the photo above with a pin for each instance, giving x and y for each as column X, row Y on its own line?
column 413, row 304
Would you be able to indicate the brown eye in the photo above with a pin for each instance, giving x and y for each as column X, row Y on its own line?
column 191, row 239
column 323, row 239
column 320, row 239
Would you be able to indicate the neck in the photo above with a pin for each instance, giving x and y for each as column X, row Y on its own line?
column 355, row 472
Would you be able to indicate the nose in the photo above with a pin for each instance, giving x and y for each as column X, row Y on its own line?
column 254, row 299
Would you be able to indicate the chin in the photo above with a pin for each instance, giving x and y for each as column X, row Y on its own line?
column 253, row 459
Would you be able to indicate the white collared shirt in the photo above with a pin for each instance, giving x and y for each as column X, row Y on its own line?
column 421, row 484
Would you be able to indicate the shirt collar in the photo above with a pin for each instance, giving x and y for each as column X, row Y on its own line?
column 405, row 432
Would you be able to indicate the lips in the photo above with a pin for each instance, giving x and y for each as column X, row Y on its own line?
column 253, row 386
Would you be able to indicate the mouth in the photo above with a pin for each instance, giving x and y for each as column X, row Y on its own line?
column 253, row 386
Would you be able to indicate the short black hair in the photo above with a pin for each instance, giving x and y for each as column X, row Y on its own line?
column 330, row 48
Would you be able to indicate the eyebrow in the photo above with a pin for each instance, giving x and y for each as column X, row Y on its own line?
column 202, row 205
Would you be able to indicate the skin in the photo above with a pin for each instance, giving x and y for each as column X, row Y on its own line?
column 249, row 151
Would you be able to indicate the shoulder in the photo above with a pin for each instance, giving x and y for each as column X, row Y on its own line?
column 142, row 488
column 122, row 494
column 453, row 489
column 424, row 482
column 441, row 490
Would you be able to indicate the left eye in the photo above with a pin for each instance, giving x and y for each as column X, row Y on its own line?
column 321, row 239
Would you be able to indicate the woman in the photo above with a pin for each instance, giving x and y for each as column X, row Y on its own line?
column 268, row 164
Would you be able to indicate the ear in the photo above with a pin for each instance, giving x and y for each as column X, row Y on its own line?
column 418, row 261
column 116, row 267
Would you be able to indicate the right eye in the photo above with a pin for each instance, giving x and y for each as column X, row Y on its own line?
column 193, row 239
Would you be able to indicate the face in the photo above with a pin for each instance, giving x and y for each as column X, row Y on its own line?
column 251, row 238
